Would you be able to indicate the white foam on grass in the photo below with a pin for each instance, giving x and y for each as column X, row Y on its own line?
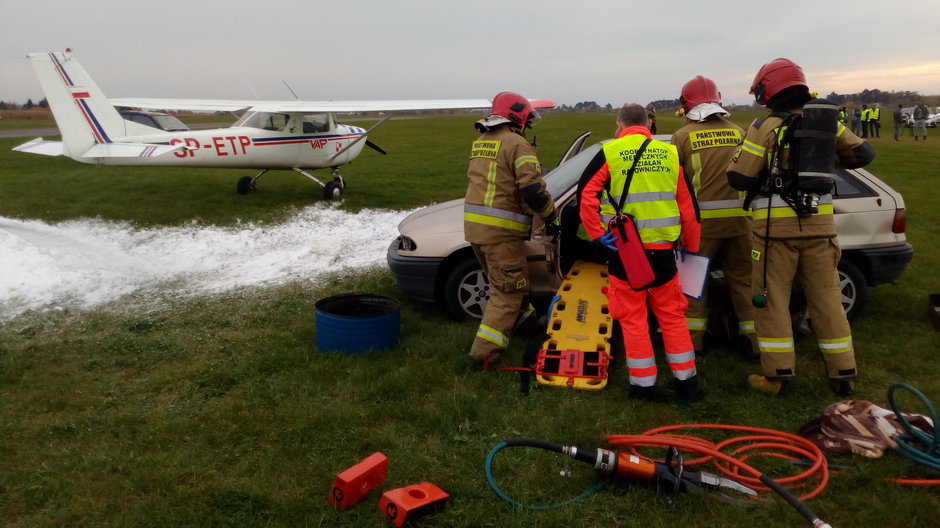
column 86, row 263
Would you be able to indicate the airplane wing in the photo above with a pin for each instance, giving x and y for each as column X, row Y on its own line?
column 130, row 150
column 200, row 105
column 41, row 146
column 314, row 106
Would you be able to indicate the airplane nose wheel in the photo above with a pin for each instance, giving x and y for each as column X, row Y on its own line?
column 332, row 190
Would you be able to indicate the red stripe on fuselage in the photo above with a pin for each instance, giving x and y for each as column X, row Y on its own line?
column 91, row 123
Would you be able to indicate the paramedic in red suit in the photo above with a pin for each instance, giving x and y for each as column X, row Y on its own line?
column 663, row 205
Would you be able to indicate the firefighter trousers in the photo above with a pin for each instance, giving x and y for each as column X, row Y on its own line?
column 811, row 261
column 733, row 256
column 508, row 274
column 668, row 303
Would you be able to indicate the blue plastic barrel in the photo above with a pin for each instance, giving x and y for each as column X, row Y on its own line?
column 356, row 322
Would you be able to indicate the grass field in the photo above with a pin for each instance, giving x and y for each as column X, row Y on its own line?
column 220, row 411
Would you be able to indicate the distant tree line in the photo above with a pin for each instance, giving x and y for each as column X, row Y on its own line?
column 29, row 105
column 585, row 106
column 891, row 98
column 886, row 99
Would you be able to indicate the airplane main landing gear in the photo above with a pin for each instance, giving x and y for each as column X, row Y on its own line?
column 332, row 190
column 247, row 184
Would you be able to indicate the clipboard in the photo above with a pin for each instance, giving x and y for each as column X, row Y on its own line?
column 693, row 273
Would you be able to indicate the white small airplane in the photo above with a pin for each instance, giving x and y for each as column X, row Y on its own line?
column 290, row 135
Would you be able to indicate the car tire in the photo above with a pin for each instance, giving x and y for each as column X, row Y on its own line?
column 466, row 290
column 853, row 287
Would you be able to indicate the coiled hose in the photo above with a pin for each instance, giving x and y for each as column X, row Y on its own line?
column 914, row 444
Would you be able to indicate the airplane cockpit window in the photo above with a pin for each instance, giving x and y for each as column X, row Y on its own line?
column 316, row 123
column 264, row 120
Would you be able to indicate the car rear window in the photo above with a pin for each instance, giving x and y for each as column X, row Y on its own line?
column 848, row 186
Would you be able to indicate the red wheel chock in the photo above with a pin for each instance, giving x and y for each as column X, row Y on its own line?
column 357, row 481
column 411, row 501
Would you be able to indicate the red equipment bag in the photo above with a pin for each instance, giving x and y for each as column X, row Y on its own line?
column 632, row 255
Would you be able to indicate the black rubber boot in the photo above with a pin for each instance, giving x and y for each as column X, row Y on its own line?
column 644, row 393
column 688, row 390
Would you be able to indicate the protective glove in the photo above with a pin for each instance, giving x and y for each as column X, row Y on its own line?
column 607, row 240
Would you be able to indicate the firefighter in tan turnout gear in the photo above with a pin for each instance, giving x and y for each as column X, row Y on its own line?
column 505, row 189
column 705, row 145
column 785, row 164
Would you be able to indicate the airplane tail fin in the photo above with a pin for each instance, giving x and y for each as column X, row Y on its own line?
column 83, row 114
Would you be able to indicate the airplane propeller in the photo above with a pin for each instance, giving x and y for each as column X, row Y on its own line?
column 376, row 147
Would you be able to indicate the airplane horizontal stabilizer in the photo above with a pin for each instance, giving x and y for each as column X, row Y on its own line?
column 130, row 150
column 41, row 146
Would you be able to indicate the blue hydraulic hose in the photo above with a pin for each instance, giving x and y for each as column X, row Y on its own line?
column 542, row 445
column 914, row 443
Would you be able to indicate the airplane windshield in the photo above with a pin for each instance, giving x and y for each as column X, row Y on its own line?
column 264, row 120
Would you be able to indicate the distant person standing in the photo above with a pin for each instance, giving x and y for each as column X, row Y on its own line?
column 874, row 121
column 843, row 116
column 856, row 117
column 898, row 122
column 866, row 116
column 651, row 113
column 921, row 113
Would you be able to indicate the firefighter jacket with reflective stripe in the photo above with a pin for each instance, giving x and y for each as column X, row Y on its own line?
column 505, row 188
column 705, row 149
column 752, row 162
column 659, row 198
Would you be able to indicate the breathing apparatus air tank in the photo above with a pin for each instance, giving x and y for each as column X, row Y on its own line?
column 811, row 140
column 813, row 153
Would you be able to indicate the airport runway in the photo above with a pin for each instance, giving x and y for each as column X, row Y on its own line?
column 29, row 132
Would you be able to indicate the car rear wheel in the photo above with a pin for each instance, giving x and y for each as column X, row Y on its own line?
column 853, row 287
column 466, row 290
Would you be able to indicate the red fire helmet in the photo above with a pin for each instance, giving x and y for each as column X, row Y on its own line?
column 774, row 77
column 517, row 109
column 697, row 91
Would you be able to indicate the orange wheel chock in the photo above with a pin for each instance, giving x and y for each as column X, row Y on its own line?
column 411, row 501
column 357, row 481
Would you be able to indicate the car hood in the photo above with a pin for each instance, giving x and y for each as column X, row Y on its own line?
column 437, row 230
column 439, row 216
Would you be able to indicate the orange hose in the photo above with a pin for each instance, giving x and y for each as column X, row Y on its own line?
column 729, row 456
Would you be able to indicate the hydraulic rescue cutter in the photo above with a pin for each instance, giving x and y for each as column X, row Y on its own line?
column 673, row 474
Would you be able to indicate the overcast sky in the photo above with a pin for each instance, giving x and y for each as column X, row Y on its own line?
column 608, row 51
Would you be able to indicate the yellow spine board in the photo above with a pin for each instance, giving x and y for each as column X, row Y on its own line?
column 577, row 351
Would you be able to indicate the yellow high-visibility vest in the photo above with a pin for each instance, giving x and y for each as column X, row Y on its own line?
column 652, row 194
